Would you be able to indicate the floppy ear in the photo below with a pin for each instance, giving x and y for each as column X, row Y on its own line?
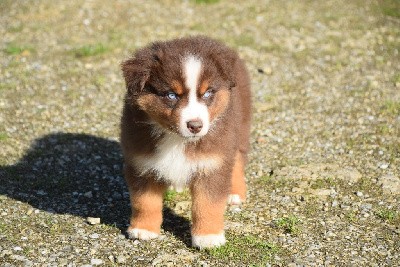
column 225, row 60
column 136, row 72
column 137, row 69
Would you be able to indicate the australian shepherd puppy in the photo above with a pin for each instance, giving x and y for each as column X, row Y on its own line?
column 185, row 123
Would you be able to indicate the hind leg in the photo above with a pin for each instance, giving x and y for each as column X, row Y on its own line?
column 238, row 190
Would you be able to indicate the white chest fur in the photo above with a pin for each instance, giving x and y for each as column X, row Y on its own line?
column 171, row 164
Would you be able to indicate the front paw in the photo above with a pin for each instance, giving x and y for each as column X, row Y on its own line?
column 234, row 200
column 141, row 234
column 208, row 241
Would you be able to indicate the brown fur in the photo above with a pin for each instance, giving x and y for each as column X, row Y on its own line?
column 149, row 75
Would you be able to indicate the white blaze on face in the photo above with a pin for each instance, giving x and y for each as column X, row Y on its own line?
column 194, row 109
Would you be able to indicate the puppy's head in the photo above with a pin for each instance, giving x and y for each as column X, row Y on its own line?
column 183, row 85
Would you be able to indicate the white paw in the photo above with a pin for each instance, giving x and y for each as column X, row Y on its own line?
column 141, row 234
column 208, row 241
column 234, row 200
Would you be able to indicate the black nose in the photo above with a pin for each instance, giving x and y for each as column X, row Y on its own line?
column 194, row 126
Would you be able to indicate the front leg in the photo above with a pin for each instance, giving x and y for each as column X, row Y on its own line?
column 209, row 202
column 146, row 195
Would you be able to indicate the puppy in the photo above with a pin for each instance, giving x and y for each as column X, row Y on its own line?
column 185, row 123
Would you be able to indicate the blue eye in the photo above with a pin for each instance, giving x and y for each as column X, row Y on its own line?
column 207, row 94
column 171, row 96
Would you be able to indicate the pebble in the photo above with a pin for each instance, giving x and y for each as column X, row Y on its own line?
column 384, row 166
column 96, row 261
column 94, row 236
column 359, row 194
column 93, row 220
column 88, row 194
column 121, row 259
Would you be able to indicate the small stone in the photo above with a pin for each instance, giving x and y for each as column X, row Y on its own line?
column 111, row 258
column 384, row 166
column 322, row 192
column 29, row 212
column 96, row 261
column 359, row 194
column 265, row 70
column 88, row 194
column 334, row 203
column 18, row 257
column 235, row 209
column 121, row 259
column 93, row 220
column 366, row 206
column 330, row 234
column 94, row 236
column 17, row 248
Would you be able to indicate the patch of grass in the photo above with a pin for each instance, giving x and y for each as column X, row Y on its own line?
column 16, row 28
column 351, row 216
column 100, row 80
column 396, row 78
column 289, row 224
column 3, row 228
column 3, row 136
column 8, row 85
column 390, row 8
column 365, row 184
column 206, row 1
column 391, row 107
column 387, row 214
column 311, row 207
column 170, row 195
column 90, row 50
column 15, row 49
column 323, row 183
column 245, row 40
column 250, row 250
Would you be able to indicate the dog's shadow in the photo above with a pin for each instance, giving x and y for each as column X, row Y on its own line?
column 78, row 174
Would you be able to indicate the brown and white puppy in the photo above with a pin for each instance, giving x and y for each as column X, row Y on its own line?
column 185, row 123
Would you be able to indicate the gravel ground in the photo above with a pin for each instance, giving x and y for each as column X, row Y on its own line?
column 324, row 171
